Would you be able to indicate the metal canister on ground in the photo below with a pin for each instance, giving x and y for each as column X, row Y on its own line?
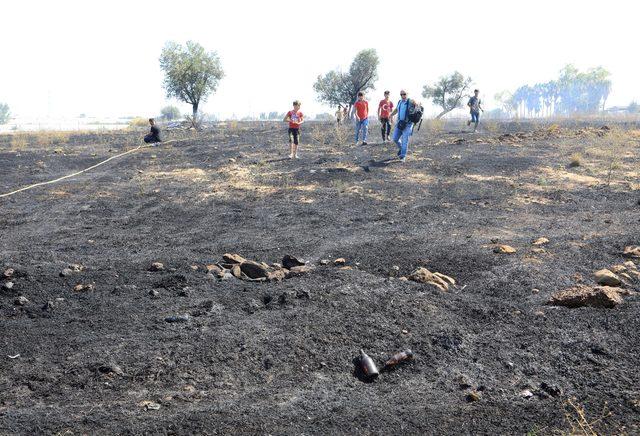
column 368, row 366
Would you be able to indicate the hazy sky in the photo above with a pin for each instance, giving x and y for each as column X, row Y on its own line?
column 63, row 58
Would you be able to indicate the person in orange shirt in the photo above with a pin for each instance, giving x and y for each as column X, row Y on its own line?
column 362, row 118
column 295, row 118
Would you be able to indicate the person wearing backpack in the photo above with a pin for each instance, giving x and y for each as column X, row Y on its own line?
column 409, row 112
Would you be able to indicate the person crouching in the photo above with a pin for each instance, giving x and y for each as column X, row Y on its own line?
column 154, row 135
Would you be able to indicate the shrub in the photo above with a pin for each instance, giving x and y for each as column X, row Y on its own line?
column 576, row 160
column 434, row 125
column 138, row 122
column 19, row 141
column 341, row 133
column 170, row 113
column 318, row 133
column 47, row 138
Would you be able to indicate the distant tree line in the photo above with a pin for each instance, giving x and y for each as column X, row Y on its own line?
column 573, row 92
column 5, row 114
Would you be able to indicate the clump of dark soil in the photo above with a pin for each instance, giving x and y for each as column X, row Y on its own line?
column 179, row 350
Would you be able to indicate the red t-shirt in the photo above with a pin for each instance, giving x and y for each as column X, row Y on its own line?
column 296, row 118
column 362, row 109
column 385, row 108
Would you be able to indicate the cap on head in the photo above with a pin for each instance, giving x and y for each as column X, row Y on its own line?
column 476, row 91
column 386, row 93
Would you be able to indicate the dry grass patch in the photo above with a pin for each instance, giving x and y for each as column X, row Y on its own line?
column 481, row 178
column 319, row 134
column 341, row 134
column 19, row 141
column 306, row 188
column 420, row 178
column 43, row 138
column 48, row 138
column 138, row 122
column 58, row 193
column 433, row 125
column 580, row 422
column 236, row 177
column 185, row 174
column 565, row 179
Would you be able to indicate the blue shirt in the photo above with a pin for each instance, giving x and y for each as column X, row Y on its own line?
column 402, row 109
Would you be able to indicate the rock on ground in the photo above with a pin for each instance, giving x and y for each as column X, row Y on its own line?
column 440, row 281
column 607, row 278
column 504, row 249
column 581, row 296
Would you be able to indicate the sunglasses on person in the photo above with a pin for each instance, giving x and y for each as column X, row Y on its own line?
column 402, row 93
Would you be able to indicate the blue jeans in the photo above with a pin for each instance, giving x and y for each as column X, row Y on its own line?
column 364, row 126
column 475, row 117
column 401, row 138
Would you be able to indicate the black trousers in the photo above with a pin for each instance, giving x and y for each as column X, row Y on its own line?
column 294, row 134
column 386, row 128
column 151, row 138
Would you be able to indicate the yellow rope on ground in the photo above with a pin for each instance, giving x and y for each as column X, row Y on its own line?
column 35, row 185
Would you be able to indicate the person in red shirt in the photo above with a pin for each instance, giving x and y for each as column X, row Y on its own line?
column 384, row 115
column 295, row 118
column 362, row 118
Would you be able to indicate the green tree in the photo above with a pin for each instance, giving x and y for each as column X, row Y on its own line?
column 170, row 113
column 447, row 92
column 583, row 91
column 191, row 73
column 4, row 113
column 508, row 103
column 337, row 88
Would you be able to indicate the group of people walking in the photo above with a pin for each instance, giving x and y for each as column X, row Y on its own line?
column 386, row 112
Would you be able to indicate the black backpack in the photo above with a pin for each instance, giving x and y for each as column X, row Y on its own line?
column 414, row 112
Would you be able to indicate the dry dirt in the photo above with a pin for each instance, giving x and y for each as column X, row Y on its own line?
column 278, row 357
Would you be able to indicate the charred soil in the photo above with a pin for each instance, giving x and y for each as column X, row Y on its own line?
column 280, row 357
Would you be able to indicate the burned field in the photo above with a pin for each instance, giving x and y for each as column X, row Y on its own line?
column 97, row 337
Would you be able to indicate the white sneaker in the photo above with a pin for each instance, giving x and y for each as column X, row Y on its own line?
column 291, row 156
column 296, row 156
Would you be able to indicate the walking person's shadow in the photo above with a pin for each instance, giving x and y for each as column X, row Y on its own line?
column 378, row 163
